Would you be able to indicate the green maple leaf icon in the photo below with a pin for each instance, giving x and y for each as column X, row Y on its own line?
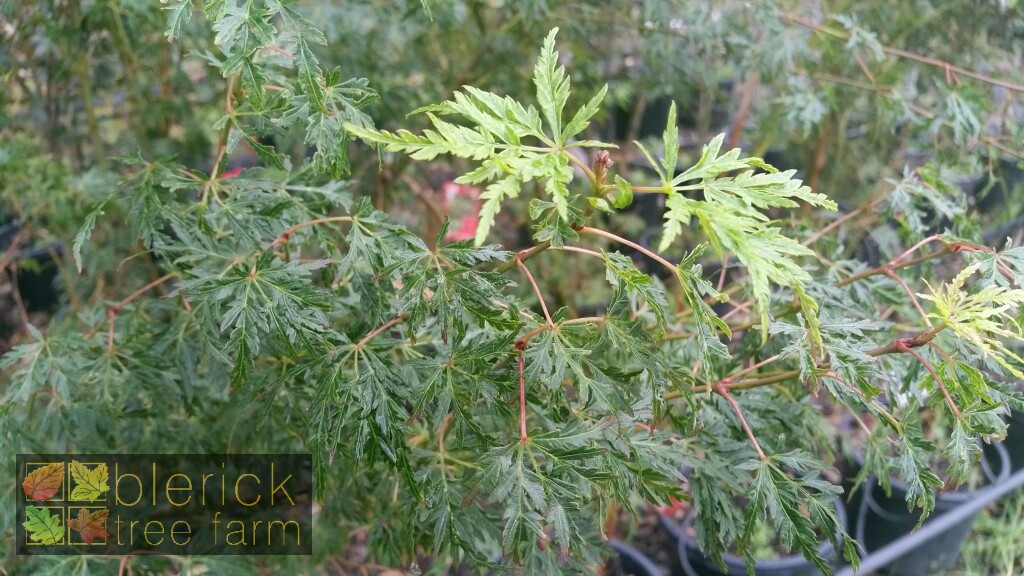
column 90, row 484
column 42, row 527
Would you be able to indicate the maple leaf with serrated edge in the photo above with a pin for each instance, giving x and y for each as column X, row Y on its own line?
column 90, row 484
column 42, row 527
column 695, row 290
column 796, row 505
column 90, row 524
column 500, row 125
column 245, row 29
column 913, row 467
column 44, row 482
column 552, row 84
column 982, row 317
column 732, row 216
column 620, row 269
column 301, row 32
column 993, row 264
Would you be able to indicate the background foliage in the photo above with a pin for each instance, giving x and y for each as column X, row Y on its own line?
column 312, row 302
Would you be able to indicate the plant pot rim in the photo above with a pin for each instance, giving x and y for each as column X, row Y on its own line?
column 687, row 544
column 959, row 494
column 635, row 555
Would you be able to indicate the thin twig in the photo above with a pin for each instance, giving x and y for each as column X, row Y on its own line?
column 938, row 381
column 945, row 66
column 631, row 244
column 113, row 310
column 376, row 332
column 897, row 345
column 582, row 251
column 22, row 311
column 287, row 234
column 910, row 294
column 522, row 256
column 536, row 290
column 890, row 266
column 892, row 419
column 12, row 248
column 721, row 275
column 750, row 369
column 914, row 248
column 836, row 223
column 722, row 391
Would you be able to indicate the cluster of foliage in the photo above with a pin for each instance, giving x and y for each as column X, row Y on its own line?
column 459, row 406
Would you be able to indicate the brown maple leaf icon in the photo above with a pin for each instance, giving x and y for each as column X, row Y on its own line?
column 44, row 482
column 90, row 524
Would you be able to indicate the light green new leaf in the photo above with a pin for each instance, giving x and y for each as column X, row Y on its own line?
column 670, row 139
column 85, row 232
column 552, row 86
column 492, row 197
column 982, row 318
column 178, row 14
column 582, row 118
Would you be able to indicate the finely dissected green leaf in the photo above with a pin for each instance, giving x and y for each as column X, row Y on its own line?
column 441, row 284
column 253, row 82
column 621, row 269
column 300, row 32
column 914, row 469
column 42, row 527
column 242, row 30
column 84, row 233
column 552, row 85
column 496, row 139
column 796, row 506
column 922, row 199
column 696, row 290
column 493, row 196
column 995, row 266
column 582, row 118
column 178, row 14
column 670, row 140
column 732, row 216
column 262, row 301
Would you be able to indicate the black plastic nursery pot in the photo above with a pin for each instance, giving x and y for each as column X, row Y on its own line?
column 693, row 562
column 629, row 561
column 36, row 282
column 1014, row 442
column 879, row 519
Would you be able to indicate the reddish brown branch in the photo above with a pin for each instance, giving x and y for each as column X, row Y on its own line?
column 941, row 64
column 722, row 391
column 938, row 381
column 910, row 294
column 377, row 331
column 536, row 288
column 113, row 310
column 287, row 234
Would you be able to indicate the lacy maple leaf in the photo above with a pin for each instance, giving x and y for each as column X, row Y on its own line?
column 90, row 524
column 43, row 483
